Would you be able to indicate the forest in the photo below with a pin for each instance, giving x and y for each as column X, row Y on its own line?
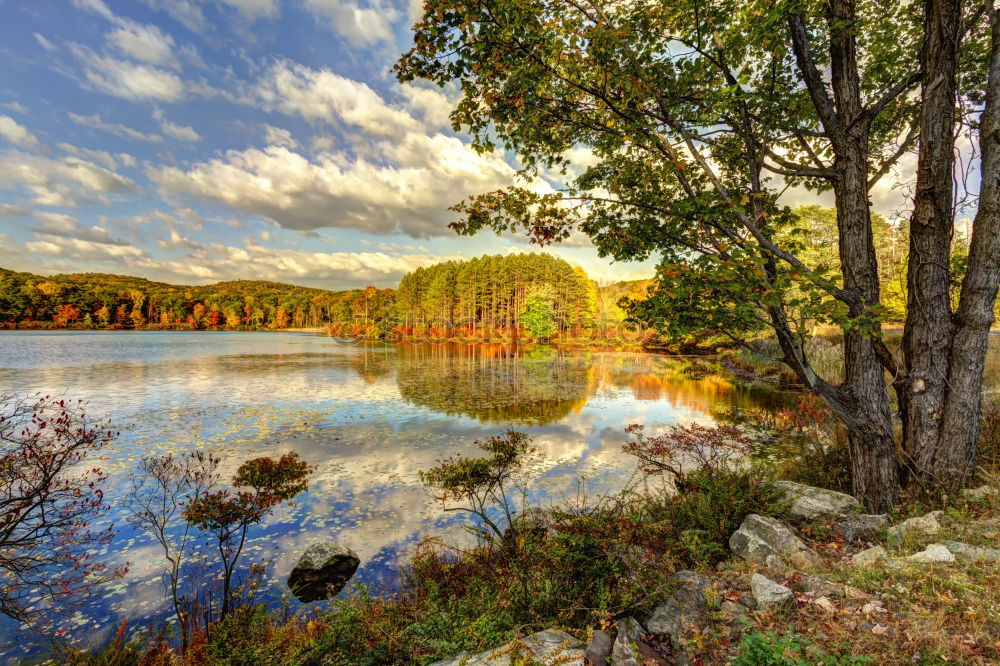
column 98, row 300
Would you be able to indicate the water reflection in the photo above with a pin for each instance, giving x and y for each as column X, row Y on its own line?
column 369, row 418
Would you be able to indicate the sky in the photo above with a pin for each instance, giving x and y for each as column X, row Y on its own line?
column 193, row 141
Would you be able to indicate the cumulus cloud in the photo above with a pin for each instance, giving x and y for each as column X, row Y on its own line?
column 146, row 43
column 175, row 131
column 359, row 25
column 84, row 250
column 277, row 136
column 16, row 107
column 17, row 134
column 102, row 157
column 186, row 12
column 95, row 121
column 64, row 182
column 47, row 223
column 129, row 80
column 323, row 95
column 410, row 195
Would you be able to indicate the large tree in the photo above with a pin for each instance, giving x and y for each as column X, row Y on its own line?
column 698, row 113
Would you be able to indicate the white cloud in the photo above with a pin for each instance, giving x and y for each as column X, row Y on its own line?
column 44, row 43
column 65, row 182
column 277, row 136
column 186, row 12
column 322, row 95
column 67, row 226
column 84, row 250
column 358, row 25
column 105, row 159
column 144, row 42
column 253, row 9
column 128, row 80
column 16, row 107
column 175, row 131
column 425, row 176
column 17, row 134
column 95, row 121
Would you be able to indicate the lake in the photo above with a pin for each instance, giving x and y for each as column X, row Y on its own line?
column 369, row 417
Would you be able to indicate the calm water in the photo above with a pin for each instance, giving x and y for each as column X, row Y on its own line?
column 368, row 417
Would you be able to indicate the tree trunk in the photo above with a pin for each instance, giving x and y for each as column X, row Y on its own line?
column 960, row 422
column 928, row 330
column 874, row 464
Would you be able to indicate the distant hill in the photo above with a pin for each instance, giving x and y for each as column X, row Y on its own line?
column 105, row 300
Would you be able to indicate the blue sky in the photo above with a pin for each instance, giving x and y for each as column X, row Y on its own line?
column 201, row 140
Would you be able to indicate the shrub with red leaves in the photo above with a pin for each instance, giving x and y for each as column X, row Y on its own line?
column 49, row 498
column 688, row 447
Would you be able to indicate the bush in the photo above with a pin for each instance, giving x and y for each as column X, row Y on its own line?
column 770, row 650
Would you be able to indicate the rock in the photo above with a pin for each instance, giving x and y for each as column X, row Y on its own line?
column 767, row 593
column 862, row 528
column 685, row 609
column 760, row 536
column 869, row 556
column 825, row 604
column 820, row 587
column 733, row 608
column 626, row 649
column 980, row 494
column 916, row 527
column 322, row 571
column 852, row 593
column 964, row 552
column 598, row 650
column 805, row 560
column 935, row 553
column 810, row 503
column 775, row 564
column 546, row 646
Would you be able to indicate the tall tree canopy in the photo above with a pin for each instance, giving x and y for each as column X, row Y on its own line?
column 698, row 113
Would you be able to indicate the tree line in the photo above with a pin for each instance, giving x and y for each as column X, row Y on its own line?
column 98, row 300
column 501, row 290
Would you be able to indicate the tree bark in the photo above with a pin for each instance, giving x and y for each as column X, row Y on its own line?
column 961, row 417
column 928, row 331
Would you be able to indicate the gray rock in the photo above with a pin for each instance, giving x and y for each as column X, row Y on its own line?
column 980, row 494
column 964, row 552
column 810, row 503
column 805, row 560
column 820, row 587
column 322, row 571
column 685, row 608
column 626, row 648
column 767, row 593
column 862, row 528
column 760, row 536
column 935, row 553
column 927, row 525
column 598, row 650
column 869, row 556
column 545, row 646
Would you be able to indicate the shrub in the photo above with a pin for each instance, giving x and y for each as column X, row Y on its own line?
column 759, row 649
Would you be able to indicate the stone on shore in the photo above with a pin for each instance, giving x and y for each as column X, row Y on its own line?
column 322, row 571
column 980, row 494
column 761, row 536
column 920, row 526
column 768, row 594
column 869, row 556
column 598, row 650
column 686, row 608
column 548, row 646
column 862, row 528
column 935, row 553
column 964, row 552
column 626, row 648
column 810, row 503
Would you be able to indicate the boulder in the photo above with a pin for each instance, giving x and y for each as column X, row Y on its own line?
column 767, row 593
column 598, row 650
column 761, row 536
column 626, row 648
column 548, row 646
column 935, row 553
column 810, row 503
column 869, row 556
column 685, row 609
column 980, row 494
column 863, row 528
column 805, row 560
column 322, row 571
column 820, row 587
column 825, row 604
column 920, row 526
column 964, row 552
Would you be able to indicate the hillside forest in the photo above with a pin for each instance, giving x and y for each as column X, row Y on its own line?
column 545, row 294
